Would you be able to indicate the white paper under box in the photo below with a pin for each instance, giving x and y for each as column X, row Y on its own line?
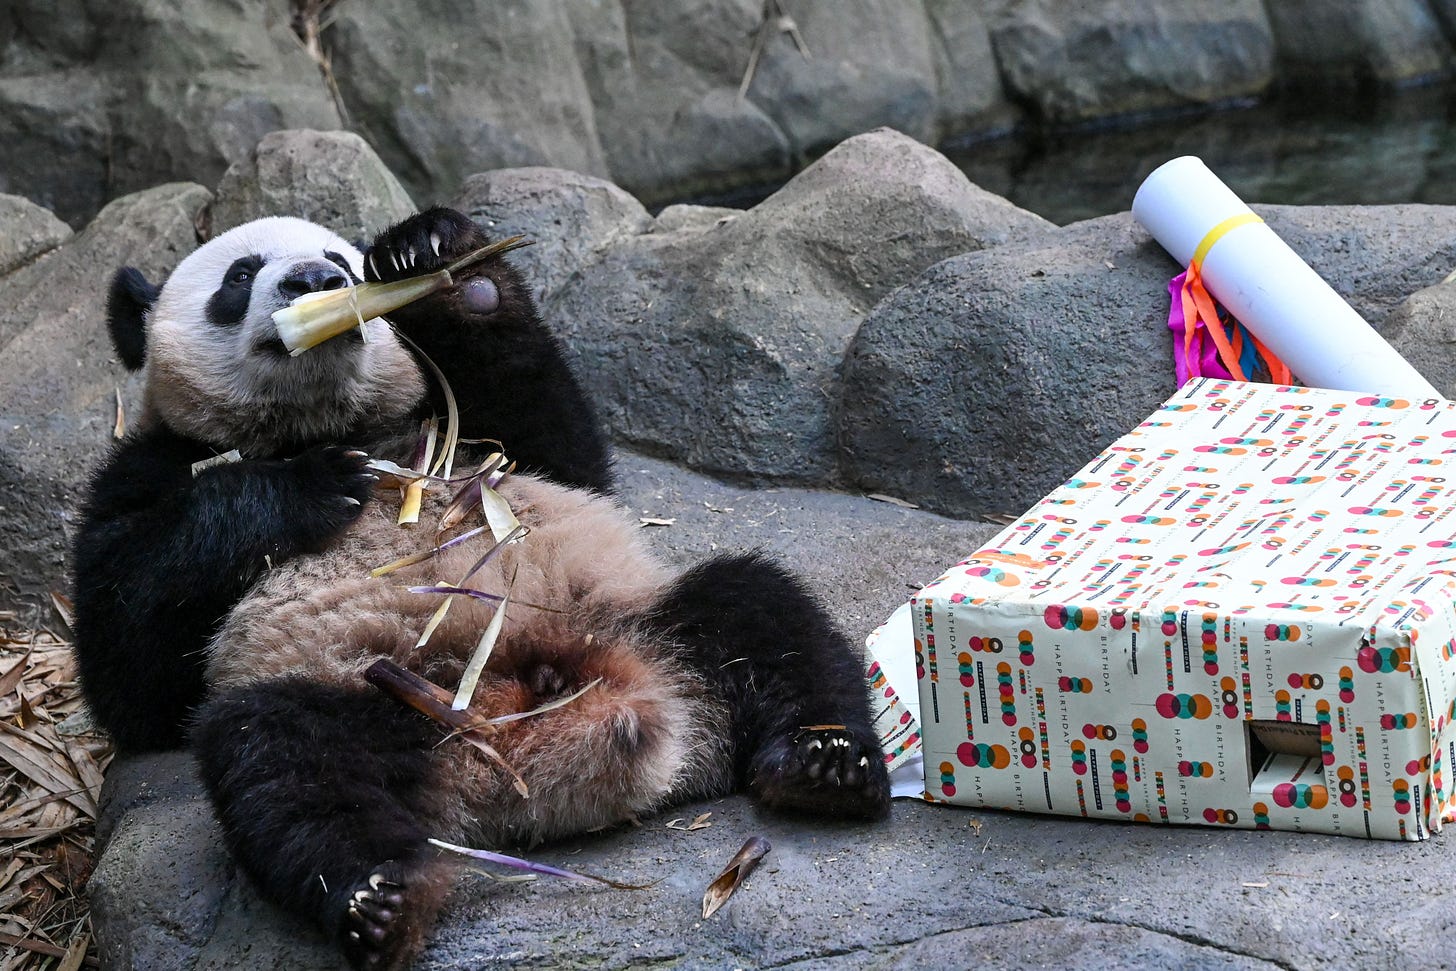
column 1240, row 614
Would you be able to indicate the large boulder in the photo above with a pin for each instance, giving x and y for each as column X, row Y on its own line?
column 995, row 376
column 332, row 178
column 1422, row 329
column 451, row 87
column 1077, row 61
column 129, row 94
column 719, row 344
column 59, row 381
column 1357, row 42
column 569, row 216
column 663, row 84
column 970, row 97
column 26, row 231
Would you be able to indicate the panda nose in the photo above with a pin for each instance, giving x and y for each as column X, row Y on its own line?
column 311, row 278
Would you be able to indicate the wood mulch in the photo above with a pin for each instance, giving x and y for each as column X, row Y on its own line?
column 50, row 783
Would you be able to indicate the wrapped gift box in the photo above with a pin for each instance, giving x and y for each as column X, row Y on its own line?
column 1240, row 614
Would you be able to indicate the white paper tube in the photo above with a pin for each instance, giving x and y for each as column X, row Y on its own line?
column 1265, row 284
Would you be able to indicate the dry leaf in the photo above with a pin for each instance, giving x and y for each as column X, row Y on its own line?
column 725, row 884
column 699, row 822
column 10, row 679
column 880, row 497
column 64, row 609
column 75, row 954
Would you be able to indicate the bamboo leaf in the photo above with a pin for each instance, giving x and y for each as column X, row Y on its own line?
column 516, row 863
column 483, row 649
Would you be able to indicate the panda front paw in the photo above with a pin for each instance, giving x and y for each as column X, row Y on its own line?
column 332, row 484
column 826, row 771
column 423, row 243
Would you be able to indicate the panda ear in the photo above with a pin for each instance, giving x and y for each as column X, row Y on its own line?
column 126, row 315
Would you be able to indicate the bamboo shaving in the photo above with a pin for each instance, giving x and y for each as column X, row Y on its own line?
column 483, row 649
column 435, row 619
column 424, row 555
column 414, row 492
column 452, row 412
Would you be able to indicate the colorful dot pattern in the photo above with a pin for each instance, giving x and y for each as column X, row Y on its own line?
column 1253, row 553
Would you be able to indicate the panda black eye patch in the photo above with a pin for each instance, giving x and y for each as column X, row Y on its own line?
column 342, row 264
column 228, row 304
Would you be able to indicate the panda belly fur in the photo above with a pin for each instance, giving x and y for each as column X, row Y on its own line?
column 649, row 730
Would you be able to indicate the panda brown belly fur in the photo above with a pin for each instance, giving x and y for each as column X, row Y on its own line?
column 645, row 733
column 327, row 789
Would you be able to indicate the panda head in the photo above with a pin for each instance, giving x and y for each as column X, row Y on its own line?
column 214, row 367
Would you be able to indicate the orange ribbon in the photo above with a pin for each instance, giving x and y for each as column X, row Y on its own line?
column 1199, row 305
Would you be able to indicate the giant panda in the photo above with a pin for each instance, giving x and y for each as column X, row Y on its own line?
column 229, row 607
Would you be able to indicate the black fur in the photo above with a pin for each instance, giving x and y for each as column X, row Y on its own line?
column 508, row 371
column 755, row 632
column 229, row 302
column 127, row 303
column 319, row 789
column 161, row 557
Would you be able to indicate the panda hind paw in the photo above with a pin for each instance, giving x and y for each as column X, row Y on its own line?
column 376, row 931
column 826, row 771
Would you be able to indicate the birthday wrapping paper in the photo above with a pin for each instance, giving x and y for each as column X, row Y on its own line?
column 1242, row 613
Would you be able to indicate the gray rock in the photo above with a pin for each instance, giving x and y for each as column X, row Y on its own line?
column 996, row 375
column 1074, row 62
column 983, row 384
column 331, row 178
column 869, row 64
column 1373, row 256
column 663, row 85
column 137, row 92
column 721, row 348
column 58, row 380
column 691, row 217
column 162, row 873
column 569, row 215
column 54, row 132
column 26, row 231
column 1349, row 42
column 1422, row 329
column 463, row 87
column 970, row 96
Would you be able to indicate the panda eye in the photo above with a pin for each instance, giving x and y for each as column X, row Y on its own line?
column 242, row 271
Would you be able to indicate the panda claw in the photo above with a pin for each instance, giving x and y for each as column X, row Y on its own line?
column 835, row 772
column 372, row 265
column 435, row 243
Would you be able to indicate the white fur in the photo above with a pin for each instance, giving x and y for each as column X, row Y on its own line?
column 226, row 386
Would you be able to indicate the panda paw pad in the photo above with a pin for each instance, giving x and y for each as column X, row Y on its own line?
column 824, row 770
column 372, row 929
column 421, row 244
